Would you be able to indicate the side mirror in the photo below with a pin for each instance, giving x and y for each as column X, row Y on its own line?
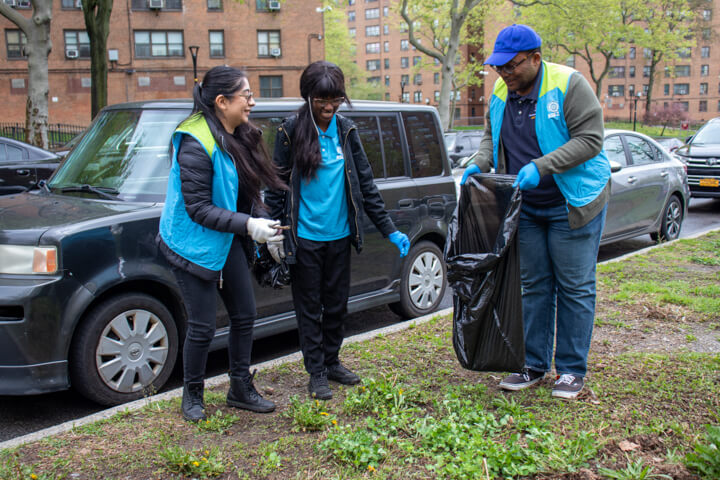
column 615, row 166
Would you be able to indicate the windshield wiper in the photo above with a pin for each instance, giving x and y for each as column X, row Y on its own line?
column 104, row 192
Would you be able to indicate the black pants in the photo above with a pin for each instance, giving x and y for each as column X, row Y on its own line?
column 320, row 287
column 200, row 297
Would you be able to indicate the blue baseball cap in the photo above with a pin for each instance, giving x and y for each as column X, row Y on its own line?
column 512, row 40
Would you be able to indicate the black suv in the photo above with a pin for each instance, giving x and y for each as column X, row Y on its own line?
column 702, row 157
column 87, row 301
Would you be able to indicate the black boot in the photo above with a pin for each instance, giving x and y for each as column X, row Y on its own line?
column 193, row 406
column 242, row 394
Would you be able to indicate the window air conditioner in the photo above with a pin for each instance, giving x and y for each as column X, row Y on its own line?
column 275, row 52
column 78, row 3
column 71, row 53
column 11, row 3
column 273, row 5
column 156, row 4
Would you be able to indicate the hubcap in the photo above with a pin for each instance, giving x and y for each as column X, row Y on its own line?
column 132, row 351
column 673, row 220
column 426, row 280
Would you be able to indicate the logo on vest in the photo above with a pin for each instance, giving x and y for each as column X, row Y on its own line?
column 553, row 109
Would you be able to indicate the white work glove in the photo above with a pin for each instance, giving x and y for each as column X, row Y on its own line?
column 263, row 229
column 277, row 250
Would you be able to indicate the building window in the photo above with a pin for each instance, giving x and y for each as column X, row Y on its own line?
column 436, row 95
column 372, row 31
column 70, row 4
column 645, row 89
column 372, row 47
column 217, row 43
column 707, row 14
column 351, row 2
column 271, row 86
column 706, row 33
column 404, row 44
column 416, row 61
column 268, row 42
column 616, row 72
column 387, row 80
column 436, row 78
column 351, row 32
column 718, row 107
column 15, row 41
column 705, row 52
column 631, row 53
column 405, row 97
column 646, row 71
column 682, row 71
column 386, row 46
column 371, row 13
column 684, row 53
column 666, row 89
column 616, row 90
column 154, row 44
column 372, row 65
column 77, row 44
column 684, row 106
column 351, row 16
column 704, row 70
column 631, row 73
column 681, row 89
column 703, row 89
column 387, row 96
column 417, row 97
column 702, row 106
column 386, row 29
column 387, row 63
column 375, row 80
column 168, row 5
column 570, row 61
column 405, row 79
column 386, row 11
column 647, row 53
column 404, row 62
column 631, row 91
column 417, row 79
column 214, row 5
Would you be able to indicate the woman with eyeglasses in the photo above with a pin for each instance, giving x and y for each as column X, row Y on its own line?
column 319, row 155
column 212, row 210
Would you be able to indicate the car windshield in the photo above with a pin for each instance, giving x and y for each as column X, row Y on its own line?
column 710, row 134
column 125, row 152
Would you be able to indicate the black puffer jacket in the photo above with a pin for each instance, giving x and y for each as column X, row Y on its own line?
column 362, row 194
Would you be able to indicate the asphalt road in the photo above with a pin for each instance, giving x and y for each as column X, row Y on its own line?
column 22, row 415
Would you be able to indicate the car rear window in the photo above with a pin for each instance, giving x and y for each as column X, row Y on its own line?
column 424, row 144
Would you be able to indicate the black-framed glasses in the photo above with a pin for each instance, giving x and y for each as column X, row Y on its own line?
column 247, row 94
column 507, row 69
column 323, row 102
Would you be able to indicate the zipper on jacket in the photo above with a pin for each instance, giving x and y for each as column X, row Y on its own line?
column 293, row 224
column 220, row 282
column 347, row 175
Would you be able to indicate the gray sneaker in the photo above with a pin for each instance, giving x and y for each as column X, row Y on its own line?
column 319, row 388
column 518, row 381
column 568, row 386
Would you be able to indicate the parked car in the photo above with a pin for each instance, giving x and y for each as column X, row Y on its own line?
column 461, row 144
column 87, row 301
column 702, row 157
column 670, row 143
column 649, row 190
column 23, row 165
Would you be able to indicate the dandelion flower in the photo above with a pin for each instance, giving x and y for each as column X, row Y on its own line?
column 207, row 452
column 196, row 463
column 324, row 413
column 400, row 391
column 317, row 403
column 204, row 459
column 334, row 422
column 33, row 476
column 371, row 468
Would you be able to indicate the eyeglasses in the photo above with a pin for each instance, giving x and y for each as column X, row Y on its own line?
column 507, row 69
column 247, row 94
column 322, row 102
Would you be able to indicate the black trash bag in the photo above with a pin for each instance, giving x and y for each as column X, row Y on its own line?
column 267, row 272
column 484, row 272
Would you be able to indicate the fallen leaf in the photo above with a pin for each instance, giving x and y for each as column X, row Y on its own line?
column 627, row 446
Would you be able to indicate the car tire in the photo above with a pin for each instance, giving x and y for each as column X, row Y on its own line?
column 124, row 349
column 423, row 281
column 671, row 221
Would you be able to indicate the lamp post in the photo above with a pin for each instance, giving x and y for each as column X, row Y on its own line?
column 635, row 100
column 402, row 91
column 193, row 53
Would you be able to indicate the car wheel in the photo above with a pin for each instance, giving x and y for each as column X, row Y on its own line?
column 125, row 349
column 423, row 281
column 671, row 221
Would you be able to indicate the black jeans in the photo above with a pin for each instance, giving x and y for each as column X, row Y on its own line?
column 200, row 297
column 320, row 287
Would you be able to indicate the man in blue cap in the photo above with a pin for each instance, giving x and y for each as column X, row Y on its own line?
column 545, row 125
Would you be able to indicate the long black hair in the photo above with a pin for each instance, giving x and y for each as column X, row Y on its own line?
column 319, row 80
column 245, row 144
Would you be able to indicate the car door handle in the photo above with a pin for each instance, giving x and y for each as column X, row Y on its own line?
column 23, row 172
column 664, row 173
column 407, row 203
column 632, row 179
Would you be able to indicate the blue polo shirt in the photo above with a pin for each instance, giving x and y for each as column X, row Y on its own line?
column 323, row 206
column 521, row 145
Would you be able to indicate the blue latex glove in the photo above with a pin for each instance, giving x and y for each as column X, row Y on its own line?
column 401, row 241
column 528, row 177
column 471, row 170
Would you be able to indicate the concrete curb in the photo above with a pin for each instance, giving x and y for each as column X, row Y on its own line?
column 210, row 382
column 221, row 379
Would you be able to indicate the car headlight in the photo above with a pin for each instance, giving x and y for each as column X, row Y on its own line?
column 26, row 259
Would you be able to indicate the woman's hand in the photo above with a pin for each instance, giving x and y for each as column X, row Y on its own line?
column 264, row 230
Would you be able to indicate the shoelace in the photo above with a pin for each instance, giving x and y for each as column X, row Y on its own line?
column 565, row 378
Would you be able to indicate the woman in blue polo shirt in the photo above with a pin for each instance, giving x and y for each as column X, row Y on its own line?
column 320, row 156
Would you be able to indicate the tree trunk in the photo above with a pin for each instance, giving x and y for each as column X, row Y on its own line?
column 651, row 80
column 97, row 23
column 37, row 31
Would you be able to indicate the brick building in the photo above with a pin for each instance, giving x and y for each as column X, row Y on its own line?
column 149, row 55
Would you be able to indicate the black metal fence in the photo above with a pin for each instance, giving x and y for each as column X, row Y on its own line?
column 58, row 133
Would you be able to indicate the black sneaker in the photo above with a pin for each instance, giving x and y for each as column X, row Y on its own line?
column 568, row 386
column 319, row 388
column 338, row 373
column 518, row 381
